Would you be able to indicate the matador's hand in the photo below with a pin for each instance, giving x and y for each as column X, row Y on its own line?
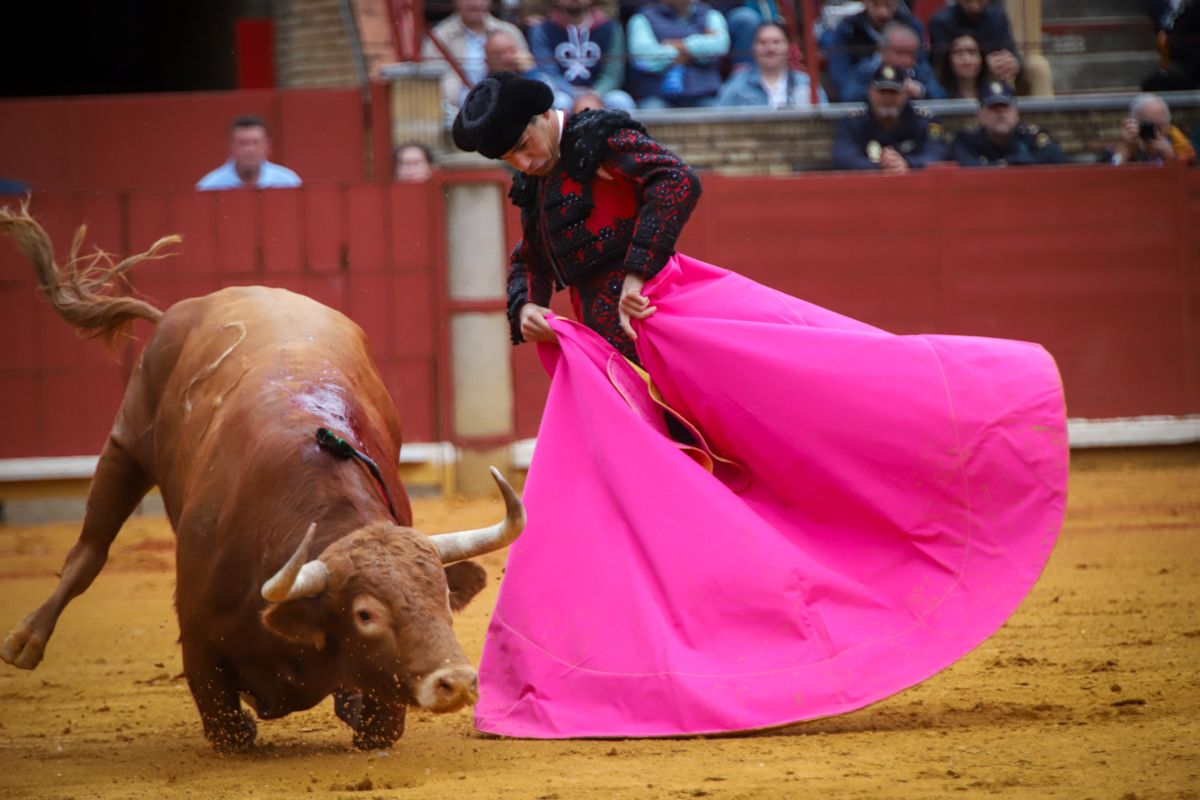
column 534, row 327
column 633, row 302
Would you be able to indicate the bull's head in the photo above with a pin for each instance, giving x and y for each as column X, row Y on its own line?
column 378, row 602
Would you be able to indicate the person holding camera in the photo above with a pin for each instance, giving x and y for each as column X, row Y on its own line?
column 1148, row 136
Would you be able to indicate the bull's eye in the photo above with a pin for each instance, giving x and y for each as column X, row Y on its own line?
column 364, row 615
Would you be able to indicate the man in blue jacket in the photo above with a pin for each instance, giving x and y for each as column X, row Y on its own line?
column 900, row 47
column 857, row 38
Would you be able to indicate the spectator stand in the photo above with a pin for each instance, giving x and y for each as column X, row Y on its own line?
column 750, row 140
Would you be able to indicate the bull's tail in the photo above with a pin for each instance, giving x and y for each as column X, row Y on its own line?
column 80, row 290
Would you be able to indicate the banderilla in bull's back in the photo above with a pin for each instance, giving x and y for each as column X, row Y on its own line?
column 298, row 573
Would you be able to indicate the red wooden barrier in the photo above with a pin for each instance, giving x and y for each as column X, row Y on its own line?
column 139, row 142
column 1102, row 266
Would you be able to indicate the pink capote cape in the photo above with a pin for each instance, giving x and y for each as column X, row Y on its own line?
column 891, row 501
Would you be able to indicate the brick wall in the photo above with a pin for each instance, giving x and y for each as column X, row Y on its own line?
column 786, row 141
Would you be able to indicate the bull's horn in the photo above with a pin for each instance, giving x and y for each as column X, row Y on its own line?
column 299, row 577
column 461, row 545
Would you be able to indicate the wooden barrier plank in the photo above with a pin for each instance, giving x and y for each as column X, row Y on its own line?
column 236, row 231
column 77, row 408
column 410, row 381
column 281, row 231
column 367, row 227
column 330, row 289
column 413, row 309
column 324, row 227
column 17, row 326
column 372, row 306
column 19, row 409
column 412, row 225
column 191, row 215
column 320, row 134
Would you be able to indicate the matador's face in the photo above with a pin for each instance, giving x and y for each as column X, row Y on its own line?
column 536, row 152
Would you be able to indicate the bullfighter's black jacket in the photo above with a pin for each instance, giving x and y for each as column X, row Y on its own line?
column 584, row 231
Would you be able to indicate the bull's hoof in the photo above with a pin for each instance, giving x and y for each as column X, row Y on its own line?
column 373, row 740
column 349, row 707
column 22, row 648
column 236, row 736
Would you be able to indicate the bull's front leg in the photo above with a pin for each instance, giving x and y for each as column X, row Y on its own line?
column 377, row 721
column 213, row 681
column 118, row 486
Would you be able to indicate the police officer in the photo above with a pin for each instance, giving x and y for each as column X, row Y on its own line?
column 1001, row 138
column 891, row 135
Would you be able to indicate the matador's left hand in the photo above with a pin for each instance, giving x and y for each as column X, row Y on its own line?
column 633, row 303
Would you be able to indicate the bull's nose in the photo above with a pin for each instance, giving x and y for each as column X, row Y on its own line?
column 448, row 689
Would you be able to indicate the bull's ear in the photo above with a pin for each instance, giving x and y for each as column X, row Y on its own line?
column 299, row 621
column 466, row 579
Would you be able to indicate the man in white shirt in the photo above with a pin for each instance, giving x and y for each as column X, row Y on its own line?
column 248, row 167
column 464, row 33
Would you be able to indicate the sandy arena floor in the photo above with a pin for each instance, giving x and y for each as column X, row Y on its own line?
column 1091, row 691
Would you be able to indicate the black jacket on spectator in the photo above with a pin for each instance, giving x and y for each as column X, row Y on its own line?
column 854, row 39
column 859, row 140
column 1028, row 145
column 992, row 30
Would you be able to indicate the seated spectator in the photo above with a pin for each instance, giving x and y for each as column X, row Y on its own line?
column 584, row 51
column 464, row 34
column 502, row 53
column 675, row 51
column 857, row 38
column 988, row 23
column 960, row 70
column 1179, row 42
column 899, row 47
column 892, row 135
column 770, row 82
column 1148, row 137
column 248, row 167
column 414, row 163
column 1001, row 139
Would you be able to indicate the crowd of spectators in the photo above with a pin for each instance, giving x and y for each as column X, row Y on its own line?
column 655, row 54
column 696, row 53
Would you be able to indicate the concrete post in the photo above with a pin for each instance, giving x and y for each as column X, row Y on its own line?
column 1026, row 19
column 480, row 356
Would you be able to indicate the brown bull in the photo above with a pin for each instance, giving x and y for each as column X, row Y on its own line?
column 297, row 572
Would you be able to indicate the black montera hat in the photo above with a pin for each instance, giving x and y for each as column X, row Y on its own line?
column 888, row 77
column 998, row 93
column 497, row 110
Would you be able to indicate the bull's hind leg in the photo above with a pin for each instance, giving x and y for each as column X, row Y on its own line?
column 119, row 485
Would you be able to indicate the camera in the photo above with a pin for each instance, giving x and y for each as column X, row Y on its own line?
column 1148, row 131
